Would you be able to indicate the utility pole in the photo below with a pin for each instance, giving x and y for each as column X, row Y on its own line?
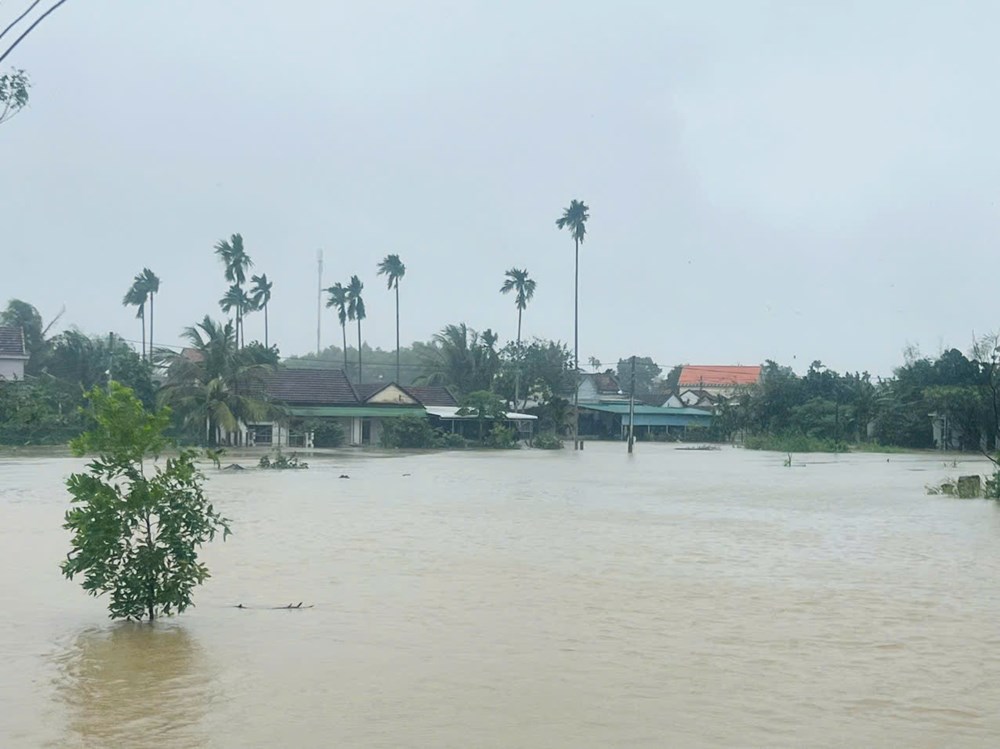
column 319, row 297
column 631, row 410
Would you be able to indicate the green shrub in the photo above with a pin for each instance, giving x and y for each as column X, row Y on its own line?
column 413, row 432
column 547, row 441
column 500, row 437
column 327, row 434
column 450, row 440
column 793, row 443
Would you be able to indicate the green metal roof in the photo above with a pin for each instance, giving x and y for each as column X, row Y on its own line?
column 622, row 408
column 324, row 411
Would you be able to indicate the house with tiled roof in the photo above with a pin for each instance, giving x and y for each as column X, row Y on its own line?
column 717, row 380
column 600, row 387
column 311, row 397
column 13, row 353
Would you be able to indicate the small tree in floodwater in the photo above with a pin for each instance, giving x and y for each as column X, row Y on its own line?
column 136, row 537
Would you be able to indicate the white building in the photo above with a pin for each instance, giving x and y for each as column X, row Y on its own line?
column 13, row 353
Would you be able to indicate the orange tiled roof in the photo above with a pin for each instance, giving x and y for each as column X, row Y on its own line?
column 719, row 376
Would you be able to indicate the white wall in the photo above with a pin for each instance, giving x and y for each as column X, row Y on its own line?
column 11, row 369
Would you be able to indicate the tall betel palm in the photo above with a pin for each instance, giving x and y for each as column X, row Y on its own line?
column 137, row 296
column 356, row 311
column 237, row 263
column 260, row 297
column 236, row 299
column 575, row 219
column 517, row 281
column 337, row 297
column 152, row 283
column 392, row 267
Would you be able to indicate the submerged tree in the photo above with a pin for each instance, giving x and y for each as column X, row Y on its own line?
column 136, row 536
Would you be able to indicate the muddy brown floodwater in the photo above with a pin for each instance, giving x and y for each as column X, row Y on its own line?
column 528, row 599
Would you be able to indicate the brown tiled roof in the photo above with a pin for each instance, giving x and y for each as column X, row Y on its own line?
column 432, row 395
column 604, row 382
column 718, row 376
column 312, row 387
column 12, row 342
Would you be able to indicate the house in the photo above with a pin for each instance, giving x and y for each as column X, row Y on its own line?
column 13, row 353
column 611, row 421
column 316, row 397
column 600, row 387
column 723, row 381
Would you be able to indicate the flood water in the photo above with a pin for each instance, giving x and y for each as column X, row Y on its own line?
column 528, row 599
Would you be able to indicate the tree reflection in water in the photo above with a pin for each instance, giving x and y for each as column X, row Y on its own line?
column 135, row 685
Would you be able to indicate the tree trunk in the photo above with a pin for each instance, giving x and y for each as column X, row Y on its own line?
column 267, row 345
column 343, row 329
column 397, row 333
column 359, row 350
column 142, row 319
column 151, row 326
column 151, row 580
column 517, row 372
column 576, row 346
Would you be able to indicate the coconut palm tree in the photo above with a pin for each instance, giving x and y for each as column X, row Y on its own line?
column 215, row 385
column 518, row 281
column 392, row 267
column 356, row 311
column 236, row 299
column 152, row 284
column 260, row 297
column 137, row 296
column 575, row 219
column 337, row 297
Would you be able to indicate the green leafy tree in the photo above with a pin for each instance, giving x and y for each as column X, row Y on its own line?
column 647, row 374
column 336, row 297
column 461, row 358
column 136, row 536
column 574, row 219
column 485, row 406
column 393, row 269
column 260, row 297
column 356, row 311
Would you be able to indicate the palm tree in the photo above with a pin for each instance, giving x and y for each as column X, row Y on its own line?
column 236, row 299
column 337, row 297
column 137, row 296
column 518, row 281
column 152, row 285
column 219, row 387
column 356, row 311
column 237, row 263
column 260, row 297
column 575, row 219
column 460, row 358
column 392, row 267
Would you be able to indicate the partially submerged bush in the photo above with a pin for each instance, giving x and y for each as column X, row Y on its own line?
column 282, row 462
column 547, row 441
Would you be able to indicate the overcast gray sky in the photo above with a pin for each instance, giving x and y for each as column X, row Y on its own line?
column 784, row 180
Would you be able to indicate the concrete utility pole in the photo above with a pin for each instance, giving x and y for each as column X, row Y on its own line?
column 631, row 410
column 111, row 359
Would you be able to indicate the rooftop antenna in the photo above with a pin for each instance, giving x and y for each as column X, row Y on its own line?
column 319, row 297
